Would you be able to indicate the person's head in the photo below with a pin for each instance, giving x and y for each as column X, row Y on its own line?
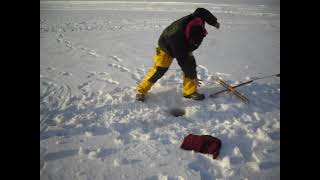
column 206, row 15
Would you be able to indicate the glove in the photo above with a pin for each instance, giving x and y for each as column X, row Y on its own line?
column 197, row 82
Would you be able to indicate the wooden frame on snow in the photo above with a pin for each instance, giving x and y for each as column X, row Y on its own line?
column 232, row 90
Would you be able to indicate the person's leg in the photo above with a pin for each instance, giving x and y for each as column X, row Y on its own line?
column 162, row 61
column 190, row 80
column 190, row 89
column 189, row 86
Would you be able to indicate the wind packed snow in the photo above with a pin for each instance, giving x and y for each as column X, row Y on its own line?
column 93, row 54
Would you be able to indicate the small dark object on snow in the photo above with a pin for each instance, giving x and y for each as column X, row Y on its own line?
column 202, row 143
column 196, row 96
column 177, row 112
column 140, row 97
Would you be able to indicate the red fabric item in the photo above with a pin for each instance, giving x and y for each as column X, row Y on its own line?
column 202, row 143
column 195, row 22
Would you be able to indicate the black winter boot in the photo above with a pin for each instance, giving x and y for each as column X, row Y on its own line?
column 140, row 97
column 196, row 96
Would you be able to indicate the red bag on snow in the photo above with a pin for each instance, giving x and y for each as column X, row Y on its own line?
column 202, row 143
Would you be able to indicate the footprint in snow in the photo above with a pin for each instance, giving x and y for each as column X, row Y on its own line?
column 91, row 74
column 108, row 80
column 90, row 52
column 51, row 68
column 93, row 53
column 121, row 68
column 125, row 161
column 68, row 44
column 203, row 165
column 164, row 177
column 129, row 161
column 112, row 81
column 85, row 49
column 103, row 73
column 115, row 58
column 84, row 85
column 66, row 74
column 136, row 77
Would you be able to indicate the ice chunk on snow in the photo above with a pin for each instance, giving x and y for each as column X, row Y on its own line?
column 112, row 81
column 254, row 166
column 66, row 74
column 88, row 134
column 224, row 107
column 237, row 152
column 93, row 155
column 83, row 151
column 260, row 134
column 256, row 115
column 225, row 163
column 116, row 163
column 59, row 119
column 222, row 74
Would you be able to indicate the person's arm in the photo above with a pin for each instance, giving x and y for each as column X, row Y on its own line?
column 185, row 60
column 189, row 66
column 206, row 16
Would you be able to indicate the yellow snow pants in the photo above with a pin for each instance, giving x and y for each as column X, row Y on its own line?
column 162, row 62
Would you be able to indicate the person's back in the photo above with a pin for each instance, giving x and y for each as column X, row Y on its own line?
column 174, row 34
column 179, row 40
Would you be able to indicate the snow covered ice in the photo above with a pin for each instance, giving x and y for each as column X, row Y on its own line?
column 93, row 54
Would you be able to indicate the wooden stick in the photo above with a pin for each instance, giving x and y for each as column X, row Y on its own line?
column 232, row 90
column 222, row 91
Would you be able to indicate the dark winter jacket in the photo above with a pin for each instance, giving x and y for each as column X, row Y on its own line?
column 173, row 40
